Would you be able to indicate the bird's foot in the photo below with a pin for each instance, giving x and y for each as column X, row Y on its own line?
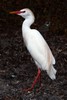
column 28, row 89
column 37, row 78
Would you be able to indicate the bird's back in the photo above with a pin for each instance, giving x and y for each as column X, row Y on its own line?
column 38, row 48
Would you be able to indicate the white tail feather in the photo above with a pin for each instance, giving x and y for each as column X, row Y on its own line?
column 52, row 72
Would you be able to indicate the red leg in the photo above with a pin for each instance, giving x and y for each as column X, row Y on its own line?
column 34, row 82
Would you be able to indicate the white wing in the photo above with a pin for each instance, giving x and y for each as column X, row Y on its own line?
column 39, row 49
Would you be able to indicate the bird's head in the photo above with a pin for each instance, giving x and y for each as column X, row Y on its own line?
column 25, row 13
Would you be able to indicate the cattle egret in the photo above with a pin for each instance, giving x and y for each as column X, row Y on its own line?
column 37, row 46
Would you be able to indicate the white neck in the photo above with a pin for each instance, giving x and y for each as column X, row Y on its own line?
column 28, row 22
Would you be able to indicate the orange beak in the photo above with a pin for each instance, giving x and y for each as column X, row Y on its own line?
column 15, row 12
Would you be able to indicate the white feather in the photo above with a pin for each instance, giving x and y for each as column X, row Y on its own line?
column 37, row 46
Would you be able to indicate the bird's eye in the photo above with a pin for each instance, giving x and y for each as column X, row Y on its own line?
column 23, row 11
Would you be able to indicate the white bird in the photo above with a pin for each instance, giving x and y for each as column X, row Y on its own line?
column 37, row 46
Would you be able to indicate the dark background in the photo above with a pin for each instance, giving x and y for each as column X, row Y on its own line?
column 17, row 69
